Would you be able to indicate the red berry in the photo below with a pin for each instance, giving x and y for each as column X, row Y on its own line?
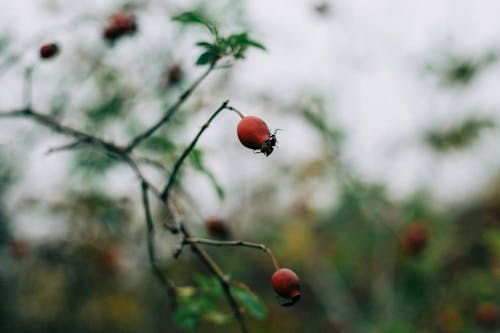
column 253, row 132
column 286, row 284
column 414, row 240
column 488, row 315
column 119, row 24
column 48, row 50
column 217, row 228
column 19, row 248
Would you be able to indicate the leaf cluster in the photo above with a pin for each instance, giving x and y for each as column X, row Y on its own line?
column 459, row 136
column 234, row 45
column 200, row 303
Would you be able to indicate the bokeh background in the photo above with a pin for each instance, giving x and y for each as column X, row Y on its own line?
column 383, row 194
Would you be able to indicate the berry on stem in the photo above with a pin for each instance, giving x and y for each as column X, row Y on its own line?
column 253, row 133
column 286, row 284
column 49, row 50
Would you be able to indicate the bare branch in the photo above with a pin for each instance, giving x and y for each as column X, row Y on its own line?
column 167, row 284
column 213, row 242
column 185, row 154
column 169, row 113
column 68, row 146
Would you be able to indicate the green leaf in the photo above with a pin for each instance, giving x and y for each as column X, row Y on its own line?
column 459, row 136
column 244, row 40
column 205, row 58
column 207, row 45
column 160, row 144
column 250, row 301
column 197, row 160
column 216, row 317
column 110, row 108
column 187, row 316
column 193, row 17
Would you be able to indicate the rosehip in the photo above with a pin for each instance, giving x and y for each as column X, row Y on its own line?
column 174, row 74
column 254, row 134
column 19, row 248
column 415, row 239
column 49, row 50
column 119, row 24
column 217, row 228
column 286, row 284
column 488, row 315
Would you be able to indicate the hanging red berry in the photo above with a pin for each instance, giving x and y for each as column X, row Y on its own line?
column 254, row 134
column 286, row 284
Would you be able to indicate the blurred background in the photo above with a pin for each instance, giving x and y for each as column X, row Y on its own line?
column 383, row 194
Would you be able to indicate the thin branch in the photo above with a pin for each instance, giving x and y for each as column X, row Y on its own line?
column 167, row 284
column 68, row 146
column 28, row 87
column 146, row 185
column 169, row 113
column 185, row 154
column 213, row 242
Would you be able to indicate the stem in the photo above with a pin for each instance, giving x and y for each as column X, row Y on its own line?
column 165, row 282
column 170, row 112
column 237, row 111
column 185, row 154
column 213, row 242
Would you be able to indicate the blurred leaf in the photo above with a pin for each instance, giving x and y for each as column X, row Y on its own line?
column 459, row 136
column 197, row 160
column 216, row 317
column 109, row 109
column 250, row 301
column 91, row 162
column 160, row 144
column 192, row 17
column 187, row 316
column 4, row 42
column 244, row 40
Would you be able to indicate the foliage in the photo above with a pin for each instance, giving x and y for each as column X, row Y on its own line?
column 234, row 45
column 459, row 136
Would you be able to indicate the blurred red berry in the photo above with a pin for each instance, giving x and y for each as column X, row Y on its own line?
column 49, row 50
column 488, row 315
column 286, row 284
column 19, row 248
column 217, row 228
column 174, row 74
column 414, row 240
column 119, row 24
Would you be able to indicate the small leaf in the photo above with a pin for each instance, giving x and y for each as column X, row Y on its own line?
column 187, row 316
column 160, row 144
column 197, row 160
column 191, row 17
column 206, row 58
column 110, row 108
column 216, row 317
column 250, row 301
column 207, row 45
column 243, row 39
